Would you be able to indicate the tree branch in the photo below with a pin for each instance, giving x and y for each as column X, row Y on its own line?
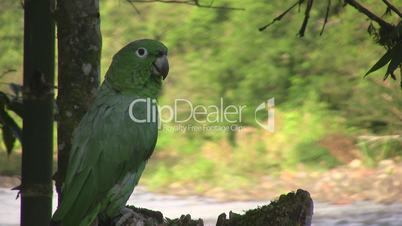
column 306, row 18
column 7, row 72
column 134, row 7
column 392, row 7
column 294, row 208
column 326, row 17
column 368, row 13
column 188, row 2
column 278, row 18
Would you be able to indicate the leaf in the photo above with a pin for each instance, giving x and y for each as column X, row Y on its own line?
column 16, row 106
column 9, row 122
column 381, row 62
column 371, row 29
column 16, row 88
column 3, row 99
column 396, row 59
column 8, row 139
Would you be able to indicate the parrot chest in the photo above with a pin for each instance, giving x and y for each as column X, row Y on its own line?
column 137, row 122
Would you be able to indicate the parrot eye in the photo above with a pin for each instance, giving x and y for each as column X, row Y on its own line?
column 141, row 52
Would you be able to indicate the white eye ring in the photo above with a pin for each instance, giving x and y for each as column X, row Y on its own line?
column 141, row 52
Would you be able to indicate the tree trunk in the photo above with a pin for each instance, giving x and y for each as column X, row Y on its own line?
column 37, row 139
column 79, row 49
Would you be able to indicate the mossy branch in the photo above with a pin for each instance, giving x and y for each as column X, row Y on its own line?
column 292, row 209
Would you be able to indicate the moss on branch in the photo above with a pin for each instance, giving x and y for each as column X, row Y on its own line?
column 292, row 209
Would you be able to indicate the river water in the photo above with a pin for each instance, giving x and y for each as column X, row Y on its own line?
column 356, row 214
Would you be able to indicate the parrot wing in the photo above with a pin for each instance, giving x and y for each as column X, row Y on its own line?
column 106, row 147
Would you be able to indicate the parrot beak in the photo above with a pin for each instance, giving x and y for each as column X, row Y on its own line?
column 161, row 66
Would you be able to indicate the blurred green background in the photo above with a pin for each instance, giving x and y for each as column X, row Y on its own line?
column 326, row 114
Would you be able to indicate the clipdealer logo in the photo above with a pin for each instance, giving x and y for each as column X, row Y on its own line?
column 145, row 110
column 269, row 107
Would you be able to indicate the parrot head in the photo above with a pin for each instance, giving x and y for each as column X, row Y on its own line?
column 139, row 68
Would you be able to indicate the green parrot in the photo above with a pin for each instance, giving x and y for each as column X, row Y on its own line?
column 115, row 138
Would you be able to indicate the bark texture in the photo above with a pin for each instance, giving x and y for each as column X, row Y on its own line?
column 79, row 50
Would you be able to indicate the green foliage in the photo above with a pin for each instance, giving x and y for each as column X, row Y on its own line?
column 11, row 131
column 387, row 33
column 305, row 126
column 314, row 156
column 11, row 35
column 317, row 83
column 190, row 170
column 375, row 149
column 10, row 165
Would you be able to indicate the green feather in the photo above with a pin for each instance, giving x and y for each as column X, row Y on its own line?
column 110, row 150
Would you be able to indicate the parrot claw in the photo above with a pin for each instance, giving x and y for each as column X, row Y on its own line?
column 129, row 218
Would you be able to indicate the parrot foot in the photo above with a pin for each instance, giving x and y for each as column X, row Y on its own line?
column 129, row 218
